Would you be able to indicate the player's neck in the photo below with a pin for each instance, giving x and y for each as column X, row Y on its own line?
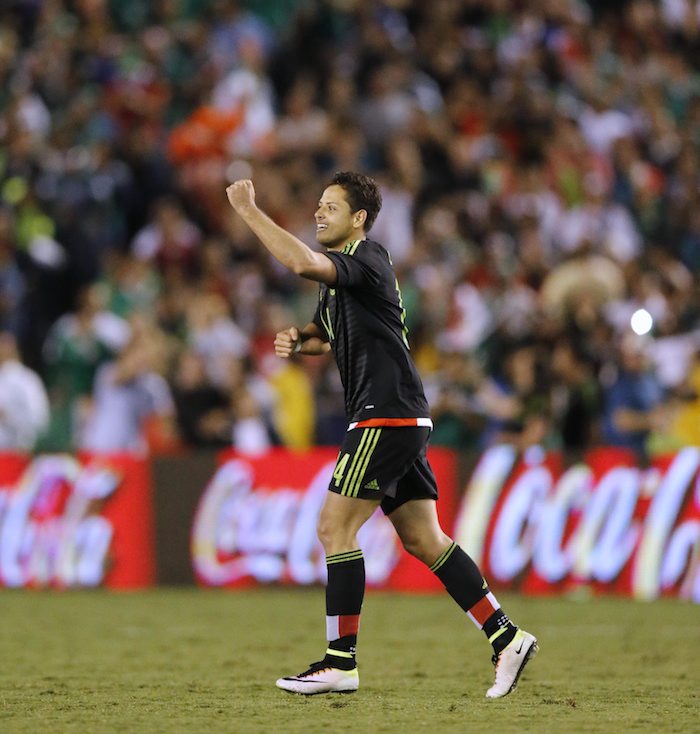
column 344, row 243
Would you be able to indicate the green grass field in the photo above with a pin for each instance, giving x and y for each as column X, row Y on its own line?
column 204, row 661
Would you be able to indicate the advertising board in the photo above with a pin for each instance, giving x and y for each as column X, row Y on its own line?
column 604, row 524
column 256, row 523
column 68, row 522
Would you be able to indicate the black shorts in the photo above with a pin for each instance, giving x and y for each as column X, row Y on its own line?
column 385, row 463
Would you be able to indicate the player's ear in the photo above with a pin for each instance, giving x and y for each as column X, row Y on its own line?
column 359, row 218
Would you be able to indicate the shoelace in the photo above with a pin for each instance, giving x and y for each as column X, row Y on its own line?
column 316, row 667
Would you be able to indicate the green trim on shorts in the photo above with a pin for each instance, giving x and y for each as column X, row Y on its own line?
column 360, row 461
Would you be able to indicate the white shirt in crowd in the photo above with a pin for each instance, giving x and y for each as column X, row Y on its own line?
column 120, row 410
column 24, row 407
column 250, row 436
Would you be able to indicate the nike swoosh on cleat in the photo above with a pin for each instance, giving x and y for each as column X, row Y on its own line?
column 517, row 652
column 303, row 680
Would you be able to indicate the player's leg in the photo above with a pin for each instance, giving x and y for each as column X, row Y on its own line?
column 339, row 522
column 342, row 515
column 417, row 525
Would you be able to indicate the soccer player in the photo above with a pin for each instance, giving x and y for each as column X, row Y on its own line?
column 382, row 462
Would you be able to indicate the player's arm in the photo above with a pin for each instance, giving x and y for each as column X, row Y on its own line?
column 282, row 245
column 310, row 340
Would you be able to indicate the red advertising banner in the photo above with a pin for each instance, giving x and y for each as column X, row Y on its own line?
column 256, row 523
column 75, row 522
column 605, row 524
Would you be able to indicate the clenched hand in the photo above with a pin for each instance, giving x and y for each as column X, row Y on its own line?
column 286, row 342
column 241, row 194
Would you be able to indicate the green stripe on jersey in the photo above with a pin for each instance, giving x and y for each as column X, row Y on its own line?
column 350, row 248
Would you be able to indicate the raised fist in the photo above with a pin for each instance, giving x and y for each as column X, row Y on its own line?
column 241, row 194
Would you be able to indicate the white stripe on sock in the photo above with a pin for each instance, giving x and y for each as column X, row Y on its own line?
column 332, row 628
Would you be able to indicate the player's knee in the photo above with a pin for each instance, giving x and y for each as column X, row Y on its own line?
column 324, row 531
column 426, row 547
column 416, row 545
column 331, row 534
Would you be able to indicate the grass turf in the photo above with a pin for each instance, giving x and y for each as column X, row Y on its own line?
column 206, row 661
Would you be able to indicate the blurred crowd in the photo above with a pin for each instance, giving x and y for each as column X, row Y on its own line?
column 539, row 163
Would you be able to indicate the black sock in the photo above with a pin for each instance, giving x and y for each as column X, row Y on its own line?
column 499, row 630
column 466, row 585
column 344, row 594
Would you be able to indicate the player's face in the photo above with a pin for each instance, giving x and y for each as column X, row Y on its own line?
column 336, row 224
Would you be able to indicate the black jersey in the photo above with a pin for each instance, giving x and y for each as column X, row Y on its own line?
column 363, row 318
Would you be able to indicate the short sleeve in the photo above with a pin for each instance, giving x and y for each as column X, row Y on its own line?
column 356, row 270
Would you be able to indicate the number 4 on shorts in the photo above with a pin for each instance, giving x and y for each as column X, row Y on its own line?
column 340, row 469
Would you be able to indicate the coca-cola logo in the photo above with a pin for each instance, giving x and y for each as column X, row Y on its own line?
column 605, row 522
column 51, row 532
column 247, row 529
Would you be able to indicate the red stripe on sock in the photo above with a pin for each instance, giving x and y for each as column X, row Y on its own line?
column 482, row 610
column 348, row 624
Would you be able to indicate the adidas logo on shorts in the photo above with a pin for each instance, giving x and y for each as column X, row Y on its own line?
column 374, row 484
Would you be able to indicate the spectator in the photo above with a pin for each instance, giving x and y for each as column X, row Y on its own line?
column 131, row 286
column 231, row 28
column 539, row 164
column 576, row 398
column 450, row 393
column 12, row 282
column 127, row 393
column 24, row 405
column 247, row 90
column 250, row 433
column 293, row 412
column 513, row 401
column 170, row 240
column 685, row 428
column 608, row 227
column 634, row 403
column 77, row 345
column 214, row 335
column 303, row 127
column 203, row 417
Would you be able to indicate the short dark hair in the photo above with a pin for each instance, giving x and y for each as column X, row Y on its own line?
column 362, row 193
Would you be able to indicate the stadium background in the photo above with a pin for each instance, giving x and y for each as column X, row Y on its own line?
column 540, row 168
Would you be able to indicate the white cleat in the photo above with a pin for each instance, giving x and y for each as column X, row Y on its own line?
column 320, row 678
column 510, row 663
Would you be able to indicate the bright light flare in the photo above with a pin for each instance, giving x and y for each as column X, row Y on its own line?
column 641, row 322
